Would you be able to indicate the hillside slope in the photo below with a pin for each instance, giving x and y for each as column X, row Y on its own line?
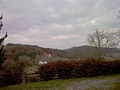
column 87, row 51
column 36, row 53
column 33, row 52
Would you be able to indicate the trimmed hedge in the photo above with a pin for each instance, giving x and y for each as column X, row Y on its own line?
column 63, row 69
column 74, row 69
column 47, row 71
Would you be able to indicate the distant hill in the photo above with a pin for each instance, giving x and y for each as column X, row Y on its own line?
column 41, row 50
column 87, row 51
column 81, row 51
column 35, row 53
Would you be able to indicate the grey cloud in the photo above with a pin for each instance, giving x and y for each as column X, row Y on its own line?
column 58, row 18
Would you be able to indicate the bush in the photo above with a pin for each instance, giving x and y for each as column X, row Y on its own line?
column 63, row 69
column 85, row 68
column 13, row 72
column 115, row 67
column 31, row 78
column 1, row 80
column 46, row 71
column 88, row 67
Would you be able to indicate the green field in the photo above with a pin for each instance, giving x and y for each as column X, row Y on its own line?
column 111, row 82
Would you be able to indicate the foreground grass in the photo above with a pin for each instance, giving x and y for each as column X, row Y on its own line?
column 63, row 84
column 116, row 85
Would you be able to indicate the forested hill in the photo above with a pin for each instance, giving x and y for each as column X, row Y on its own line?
column 36, row 53
column 87, row 51
column 32, row 52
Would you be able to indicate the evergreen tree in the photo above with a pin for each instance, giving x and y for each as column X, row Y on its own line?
column 2, row 55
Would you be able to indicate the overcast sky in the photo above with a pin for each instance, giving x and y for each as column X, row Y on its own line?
column 57, row 23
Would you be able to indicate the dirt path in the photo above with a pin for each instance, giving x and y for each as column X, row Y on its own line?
column 95, row 84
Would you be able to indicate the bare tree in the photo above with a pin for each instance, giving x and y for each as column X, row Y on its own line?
column 102, row 41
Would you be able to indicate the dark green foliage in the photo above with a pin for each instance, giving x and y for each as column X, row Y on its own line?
column 71, row 69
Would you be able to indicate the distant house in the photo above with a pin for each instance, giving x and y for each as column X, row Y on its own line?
column 42, row 62
column 47, row 54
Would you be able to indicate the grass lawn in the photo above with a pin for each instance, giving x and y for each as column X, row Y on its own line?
column 110, row 82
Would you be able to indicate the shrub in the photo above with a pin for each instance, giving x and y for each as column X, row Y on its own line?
column 116, row 67
column 30, row 78
column 13, row 71
column 96, row 67
column 73, row 68
column 46, row 71
column 63, row 69
column 90, row 67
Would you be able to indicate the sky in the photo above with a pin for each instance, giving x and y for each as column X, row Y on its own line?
column 57, row 23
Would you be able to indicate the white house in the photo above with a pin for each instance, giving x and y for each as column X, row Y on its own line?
column 42, row 62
